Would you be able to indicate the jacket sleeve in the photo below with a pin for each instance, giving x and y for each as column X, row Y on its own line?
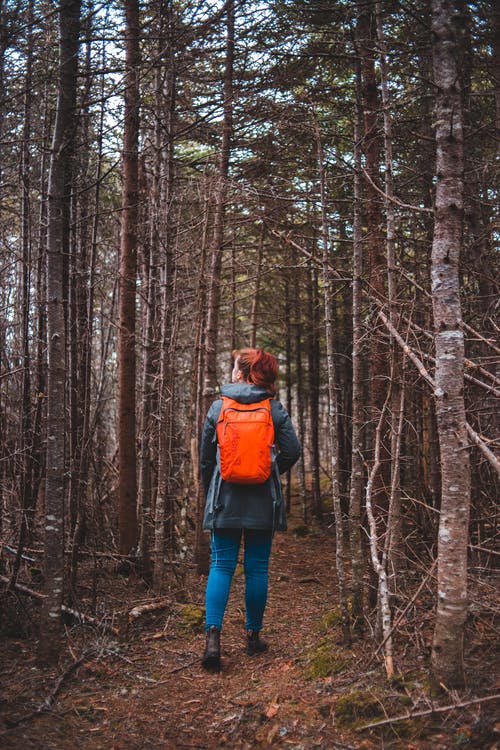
column 208, row 445
column 285, row 437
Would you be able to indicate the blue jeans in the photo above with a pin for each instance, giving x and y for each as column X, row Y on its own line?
column 225, row 548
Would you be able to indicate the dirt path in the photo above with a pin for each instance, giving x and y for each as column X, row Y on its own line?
column 149, row 692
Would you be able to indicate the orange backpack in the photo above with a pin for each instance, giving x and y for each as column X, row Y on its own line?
column 245, row 433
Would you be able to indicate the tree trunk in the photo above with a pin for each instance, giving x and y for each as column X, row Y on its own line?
column 164, row 521
column 333, row 415
column 300, row 397
column 313, row 388
column 394, row 537
column 447, row 649
column 210, row 375
column 210, row 345
column 256, row 295
column 356, row 488
column 127, row 480
column 26, row 438
column 378, row 370
column 59, row 197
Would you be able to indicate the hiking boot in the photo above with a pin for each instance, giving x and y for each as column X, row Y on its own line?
column 255, row 644
column 211, row 656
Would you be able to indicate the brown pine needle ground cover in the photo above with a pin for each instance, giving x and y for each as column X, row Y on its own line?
column 146, row 690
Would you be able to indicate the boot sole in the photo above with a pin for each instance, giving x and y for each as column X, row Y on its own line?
column 211, row 663
column 256, row 652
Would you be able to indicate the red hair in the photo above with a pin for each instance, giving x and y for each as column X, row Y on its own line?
column 257, row 366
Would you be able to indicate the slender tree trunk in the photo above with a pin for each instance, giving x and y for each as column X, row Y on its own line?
column 333, row 417
column 59, row 196
column 378, row 566
column 150, row 366
column 496, row 63
column 201, row 542
column 313, row 389
column 234, row 317
column 210, row 376
column 164, row 505
column 447, row 649
column 300, row 396
column 210, row 346
column 378, row 370
column 79, row 344
column 356, row 488
column 394, row 530
column 127, row 481
column 255, row 299
column 26, row 437
column 288, row 379
column 41, row 325
column 85, row 265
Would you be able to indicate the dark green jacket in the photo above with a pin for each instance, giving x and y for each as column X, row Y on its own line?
column 246, row 506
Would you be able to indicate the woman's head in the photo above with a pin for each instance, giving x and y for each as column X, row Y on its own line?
column 255, row 366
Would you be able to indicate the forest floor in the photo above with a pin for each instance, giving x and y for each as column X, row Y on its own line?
column 145, row 689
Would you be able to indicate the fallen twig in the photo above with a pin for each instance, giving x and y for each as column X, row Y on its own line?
column 81, row 616
column 175, row 670
column 429, row 712
column 49, row 701
column 476, row 439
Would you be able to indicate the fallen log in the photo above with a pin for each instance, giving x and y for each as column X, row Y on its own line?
column 142, row 609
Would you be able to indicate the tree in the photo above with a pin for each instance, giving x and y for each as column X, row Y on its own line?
column 447, row 647
column 127, row 482
column 59, row 193
column 217, row 247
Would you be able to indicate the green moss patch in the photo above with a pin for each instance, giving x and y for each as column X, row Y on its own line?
column 355, row 706
column 332, row 619
column 325, row 660
column 191, row 617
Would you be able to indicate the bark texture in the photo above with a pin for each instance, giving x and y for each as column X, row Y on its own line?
column 356, row 488
column 127, row 482
column 447, row 650
column 214, row 290
column 59, row 196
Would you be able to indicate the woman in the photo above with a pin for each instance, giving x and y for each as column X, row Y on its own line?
column 234, row 510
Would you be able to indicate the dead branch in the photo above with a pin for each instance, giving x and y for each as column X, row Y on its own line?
column 467, row 362
column 471, row 378
column 49, row 701
column 80, row 616
column 428, row 712
column 286, row 238
column 393, row 199
column 405, row 610
column 487, row 453
column 24, row 589
column 482, row 338
column 476, row 439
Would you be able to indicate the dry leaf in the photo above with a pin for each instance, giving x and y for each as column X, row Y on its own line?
column 271, row 735
column 273, row 708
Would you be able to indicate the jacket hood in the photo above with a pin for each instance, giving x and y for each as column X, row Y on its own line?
column 245, row 393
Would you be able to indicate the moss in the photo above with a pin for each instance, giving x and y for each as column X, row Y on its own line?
column 325, row 660
column 360, row 704
column 191, row 616
column 332, row 619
